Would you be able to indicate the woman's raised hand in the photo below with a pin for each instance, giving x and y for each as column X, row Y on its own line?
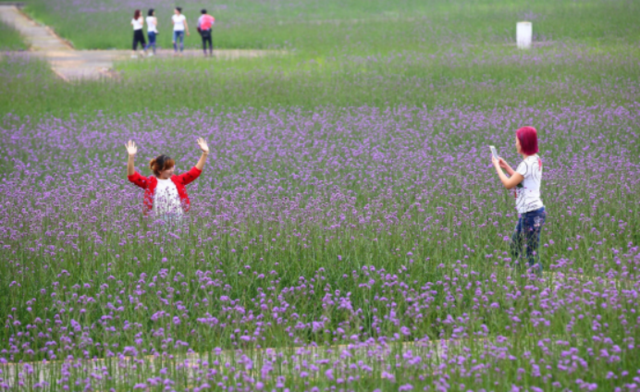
column 205, row 152
column 503, row 164
column 132, row 149
column 203, row 145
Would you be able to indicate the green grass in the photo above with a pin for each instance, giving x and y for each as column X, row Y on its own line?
column 354, row 25
column 10, row 39
column 483, row 76
column 349, row 54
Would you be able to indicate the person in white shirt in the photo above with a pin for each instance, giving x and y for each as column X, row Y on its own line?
column 180, row 27
column 526, row 181
column 138, row 36
column 152, row 30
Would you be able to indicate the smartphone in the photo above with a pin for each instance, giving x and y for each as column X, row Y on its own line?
column 494, row 152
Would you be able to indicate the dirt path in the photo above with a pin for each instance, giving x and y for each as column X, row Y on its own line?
column 71, row 64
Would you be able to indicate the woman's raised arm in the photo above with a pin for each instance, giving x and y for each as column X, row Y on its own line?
column 132, row 149
column 205, row 151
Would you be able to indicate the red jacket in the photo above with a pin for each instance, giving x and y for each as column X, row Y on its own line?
column 149, row 185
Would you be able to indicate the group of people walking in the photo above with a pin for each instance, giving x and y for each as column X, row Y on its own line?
column 180, row 28
column 166, row 195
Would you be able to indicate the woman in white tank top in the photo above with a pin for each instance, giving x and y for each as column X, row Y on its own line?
column 152, row 30
column 180, row 27
column 525, row 181
column 138, row 37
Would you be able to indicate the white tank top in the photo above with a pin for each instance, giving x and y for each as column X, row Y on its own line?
column 178, row 22
column 137, row 23
column 151, row 24
column 166, row 199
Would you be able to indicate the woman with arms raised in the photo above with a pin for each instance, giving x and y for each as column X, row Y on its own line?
column 526, row 181
column 165, row 193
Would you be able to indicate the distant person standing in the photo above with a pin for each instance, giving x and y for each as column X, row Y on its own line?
column 526, row 181
column 180, row 27
column 205, row 23
column 138, row 36
column 152, row 30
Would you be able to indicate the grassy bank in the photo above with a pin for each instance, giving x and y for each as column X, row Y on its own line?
column 356, row 25
column 481, row 76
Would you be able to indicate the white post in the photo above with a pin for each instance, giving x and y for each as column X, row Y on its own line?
column 524, row 34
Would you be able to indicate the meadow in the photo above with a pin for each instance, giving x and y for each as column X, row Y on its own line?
column 354, row 25
column 348, row 231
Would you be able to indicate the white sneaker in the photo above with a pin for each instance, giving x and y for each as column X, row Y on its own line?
column 150, row 55
column 134, row 56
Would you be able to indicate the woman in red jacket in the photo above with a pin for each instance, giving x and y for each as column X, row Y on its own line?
column 165, row 194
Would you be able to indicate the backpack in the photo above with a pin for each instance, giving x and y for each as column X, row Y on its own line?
column 207, row 22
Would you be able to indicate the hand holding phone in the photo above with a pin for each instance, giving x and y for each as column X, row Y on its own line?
column 494, row 152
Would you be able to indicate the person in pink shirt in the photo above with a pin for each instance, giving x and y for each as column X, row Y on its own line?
column 205, row 23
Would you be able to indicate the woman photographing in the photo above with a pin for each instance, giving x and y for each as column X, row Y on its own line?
column 526, row 181
column 165, row 193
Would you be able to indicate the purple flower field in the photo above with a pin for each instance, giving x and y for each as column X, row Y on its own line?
column 327, row 250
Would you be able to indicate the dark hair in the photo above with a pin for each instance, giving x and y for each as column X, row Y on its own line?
column 161, row 163
column 528, row 137
column 203, row 11
column 179, row 9
column 150, row 13
column 136, row 14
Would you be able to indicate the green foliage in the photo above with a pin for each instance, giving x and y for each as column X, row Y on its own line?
column 347, row 54
column 483, row 76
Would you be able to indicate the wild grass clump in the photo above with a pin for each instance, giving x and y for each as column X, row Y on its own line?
column 10, row 39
